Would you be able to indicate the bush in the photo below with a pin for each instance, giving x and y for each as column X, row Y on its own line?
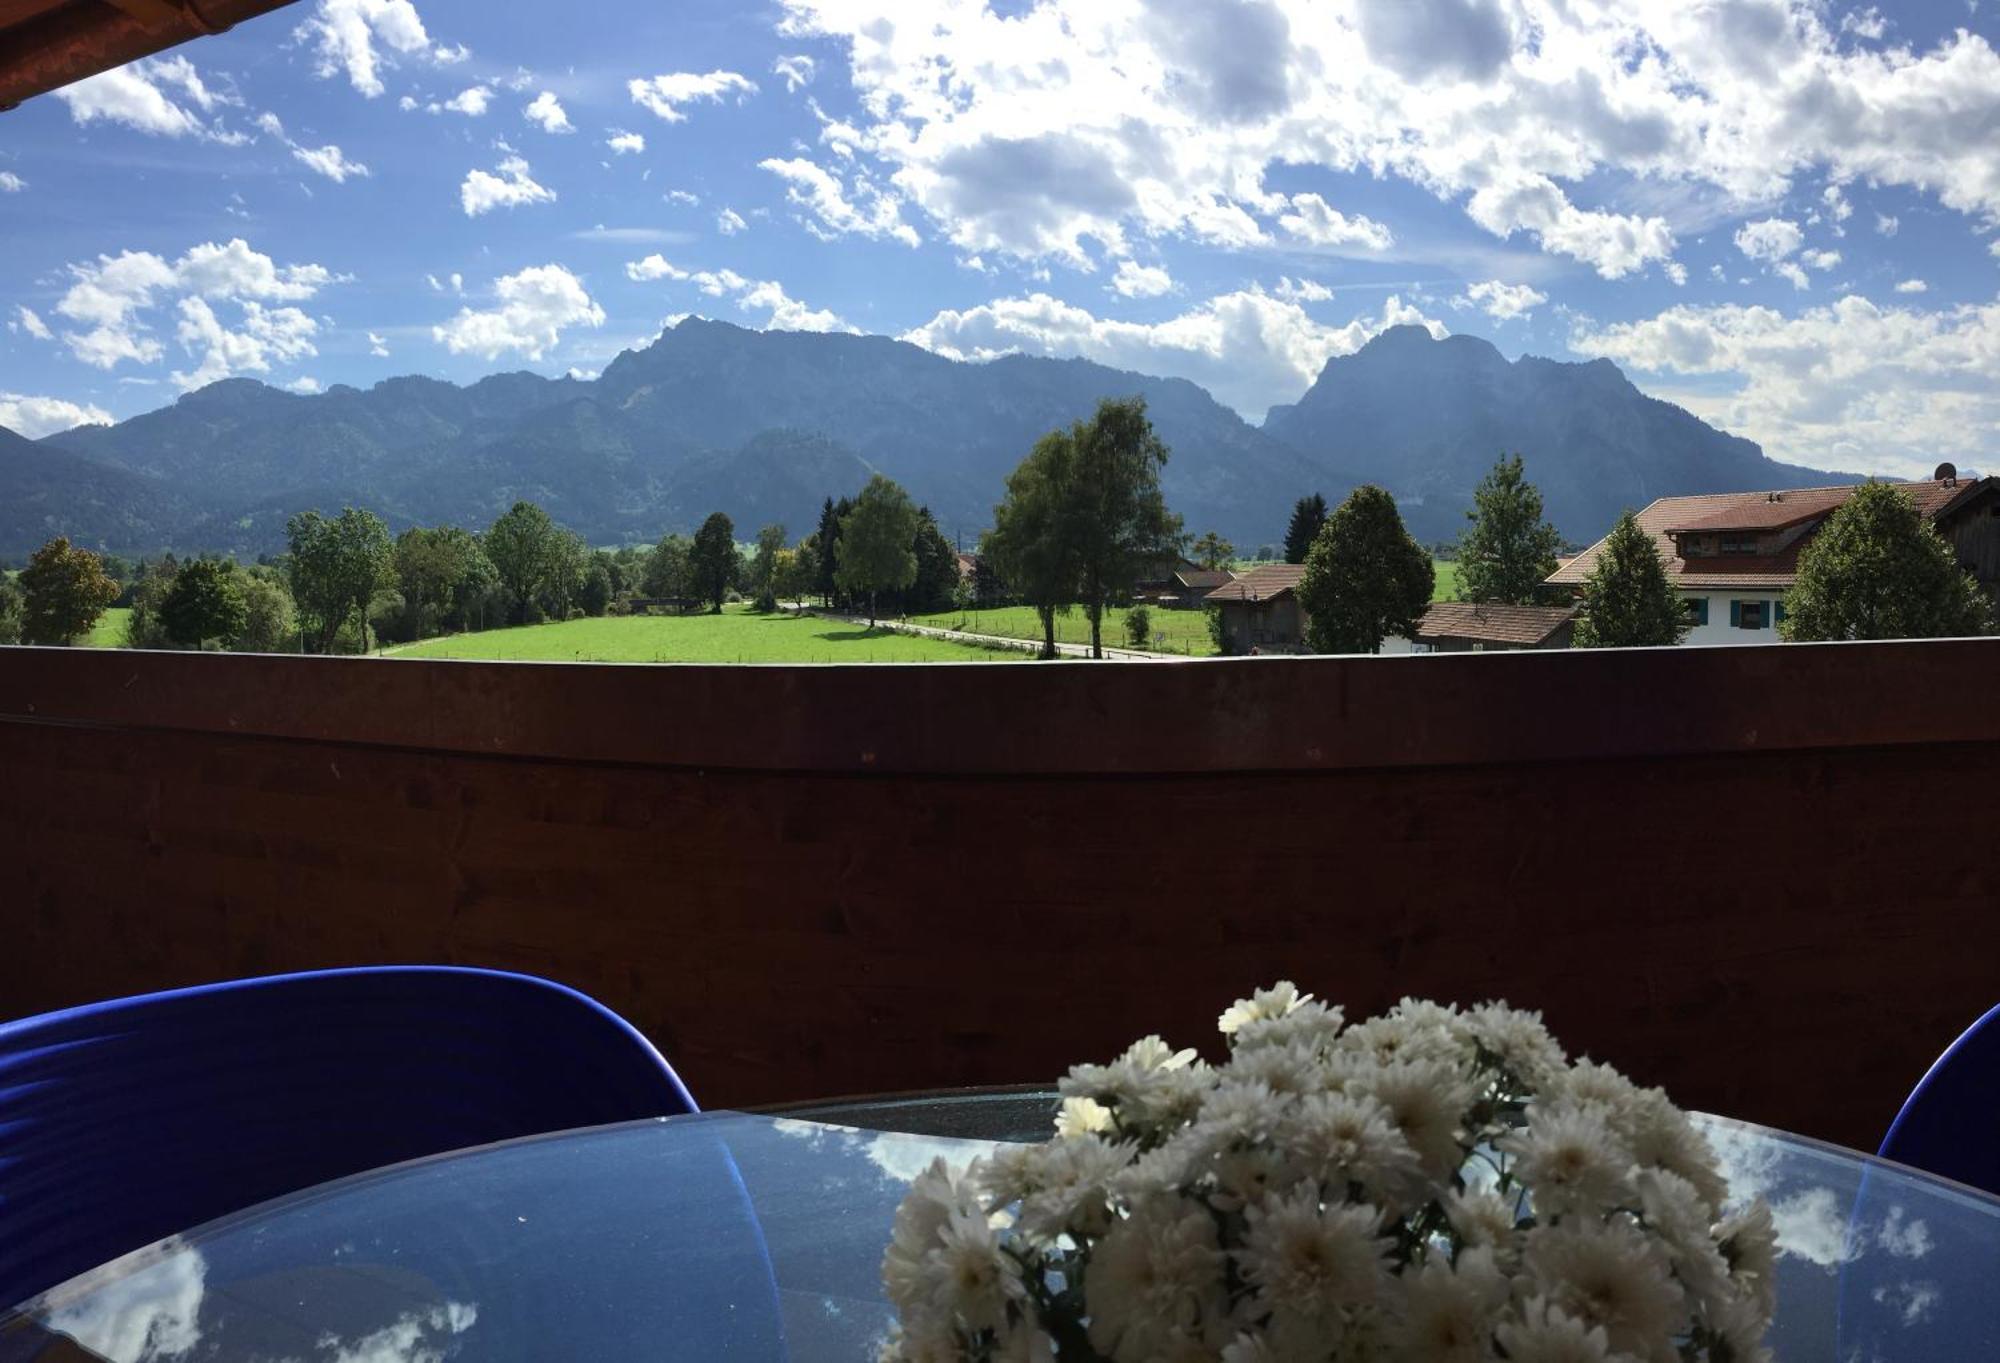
column 1138, row 626
column 1212, row 617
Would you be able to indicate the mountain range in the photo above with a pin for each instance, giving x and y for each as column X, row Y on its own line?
column 766, row 424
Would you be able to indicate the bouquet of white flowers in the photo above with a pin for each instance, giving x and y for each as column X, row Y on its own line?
column 1428, row 1185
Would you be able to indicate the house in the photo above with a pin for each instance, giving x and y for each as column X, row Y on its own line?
column 1474, row 627
column 1734, row 555
column 1177, row 583
column 1260, row 610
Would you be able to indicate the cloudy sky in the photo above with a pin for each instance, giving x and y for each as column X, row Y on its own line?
column 1784, row 215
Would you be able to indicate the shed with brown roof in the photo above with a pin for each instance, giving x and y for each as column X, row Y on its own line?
column 1471, row 627
column 1260, row 610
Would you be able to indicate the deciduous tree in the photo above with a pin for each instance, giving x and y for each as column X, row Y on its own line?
column 1878, row 570
column 1308, row 515
column 1365, row 578
column 64, row 589
column 1628, row 599
column 335, row 568
column 525, row 548
column 269, row 623
column 712, row 561
column 764, row 567
column 1028, row 547
column 205, row 605
column 875, row 542
column 10, row 611
column 1510, row 549
column 1213, row 551
column 668, row 573
column 1116, row 517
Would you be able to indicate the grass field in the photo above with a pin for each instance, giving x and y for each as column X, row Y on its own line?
column 1174, row 631
column 1447, row 579
column 738, row 635
column 109, row 631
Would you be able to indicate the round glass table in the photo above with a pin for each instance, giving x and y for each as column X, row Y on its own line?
column 757, row 1236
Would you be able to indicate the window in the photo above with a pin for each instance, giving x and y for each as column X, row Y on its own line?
column 1739, row 544
column 1747, row 614
column 1697, row 609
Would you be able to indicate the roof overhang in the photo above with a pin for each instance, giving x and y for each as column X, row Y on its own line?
column 45, row 44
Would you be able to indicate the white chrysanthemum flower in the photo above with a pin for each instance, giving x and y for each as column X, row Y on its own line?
column 1024, row 1344
column 1449, row 1310
column 1236, row 1111
column 970, row 1279
column 1291, row 1070
column 1341, row 1138
column 1742, row 1322
column 1571, row 1162
column 1074, row 1192
column 1519, row 1040
column 1545, row 1333
column 1612, row 1275
column 1151, row 1053
column 920, row 1342
column 1676, row 1215
column 1168, row 1098
column 1309, row 1024
column 1082, row 1117
column 935, row 1196
column 1245, row 1176
column 1307, row 1261
column 1483, row 1219
column 1249, row 1348
column 1660, row 1134
column 1155, row 1282
column 1749, row 1245
column 1426, row 1100
column 1388, row 1039
column 1587, row 1082
column 1280, row 999
column 1147, row 1088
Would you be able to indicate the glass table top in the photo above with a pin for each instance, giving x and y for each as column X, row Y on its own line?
column 758, row 1237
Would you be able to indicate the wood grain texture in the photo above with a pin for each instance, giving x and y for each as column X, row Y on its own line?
column 1787, row 931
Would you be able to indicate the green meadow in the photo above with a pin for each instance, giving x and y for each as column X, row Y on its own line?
column 738, row 635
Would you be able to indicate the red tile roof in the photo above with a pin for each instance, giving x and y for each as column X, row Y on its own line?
column 1750, row 511
column 1493, row 624
column 1260, row 584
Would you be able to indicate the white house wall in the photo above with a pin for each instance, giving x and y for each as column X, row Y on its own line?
column 1718, row 629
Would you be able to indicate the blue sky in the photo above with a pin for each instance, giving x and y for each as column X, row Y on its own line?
column 1779, row 213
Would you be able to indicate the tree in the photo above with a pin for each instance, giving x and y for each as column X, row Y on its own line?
column 668, row 573
column 1628, row 600
column 1028, row 547
column 336, row 567
column 803, row 579
column 1510, row 549
column 204, row 605
column 1213, row 551
column 1138, row 626
column 268, row 617
column 764, row 568
column 64, row 590
column 1308, row 515
column 594, row 596
column 10, row 611
column 143, row 627
column 444, row 575
column 1115, row 516
column 526, row 550
column 875, row 542
column 1365, row 578
column 712, row 563
column 828, row 544
column 937, row 568
column 1878, row 570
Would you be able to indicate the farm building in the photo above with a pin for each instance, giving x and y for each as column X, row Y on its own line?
column 1260, row 610
column 1475, row 627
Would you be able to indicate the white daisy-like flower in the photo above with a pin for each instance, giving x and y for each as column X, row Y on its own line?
column 1388, row 1039
column 1483, row 1219
column 1545, row 1333
column 1304, row 1260
column 971, row 1280
column 1291, row 1070
column 1749, row 1245
column 1676, row 1214
column 1612, row 1275
column 1167, row 1098
column 1073, row 1196
column 1426, row 1100
column 1520, row 1041
column 1310, row 1024
column 1280, row 999
column 1246, row 1175
column 1151, row 1053
column 1236, row 1111
column 1449, row 1310
column 935, row 1196
column 1156, row 1282
column 1741, row 1322
column 1082, row 1117
column 920, row 1342
column 1661, row 1135
column 1342, row 1138
column 1587, row 1082
column 1024, row 1344
column 1249, row 1348
column 1571, row 1161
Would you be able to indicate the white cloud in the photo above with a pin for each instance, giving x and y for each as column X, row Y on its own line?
column 512, row 185
column 1064, row 127
column 729, row 222
column 1312, row 219
column 783, row 312
column 1772, row 241
column 30, row 321
column 378, row 346
column 111, row 296
column 473, row 101
column 35, row 417
column 331, row 162
column 1134, row 280
column 821, row 194
column 1302, row 291
column 304, row 384
column 1912, row 286
column 1837, row 206
column 535, row 307
column 1865, row 23
column 546, row 111
column 10, row 183
column 665, row 95
column 682, row 197
column 1501, row 302
column 584, row 375
column 655, row 266
column 622, row 142
column 1820, row 260
column 360, row 37
column 1248, row 348
column 796, row 71
column 1887, row 224
column 1850, row 385
column 165, row 96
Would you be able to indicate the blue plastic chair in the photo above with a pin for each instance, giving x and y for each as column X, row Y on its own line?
column 1950, row 1124
column 124, row 1122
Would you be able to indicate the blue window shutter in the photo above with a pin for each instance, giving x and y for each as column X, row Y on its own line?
column 1701, row 610
column 1778, row 614
column 1736, row 615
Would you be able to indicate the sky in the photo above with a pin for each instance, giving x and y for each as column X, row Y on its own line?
column 1781, row 214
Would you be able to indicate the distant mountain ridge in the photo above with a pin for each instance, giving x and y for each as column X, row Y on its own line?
column 764, row 425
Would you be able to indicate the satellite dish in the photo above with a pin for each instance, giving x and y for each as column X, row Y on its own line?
column 1946, row 473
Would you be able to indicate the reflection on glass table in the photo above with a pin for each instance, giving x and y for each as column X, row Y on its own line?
column 758, row 1237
